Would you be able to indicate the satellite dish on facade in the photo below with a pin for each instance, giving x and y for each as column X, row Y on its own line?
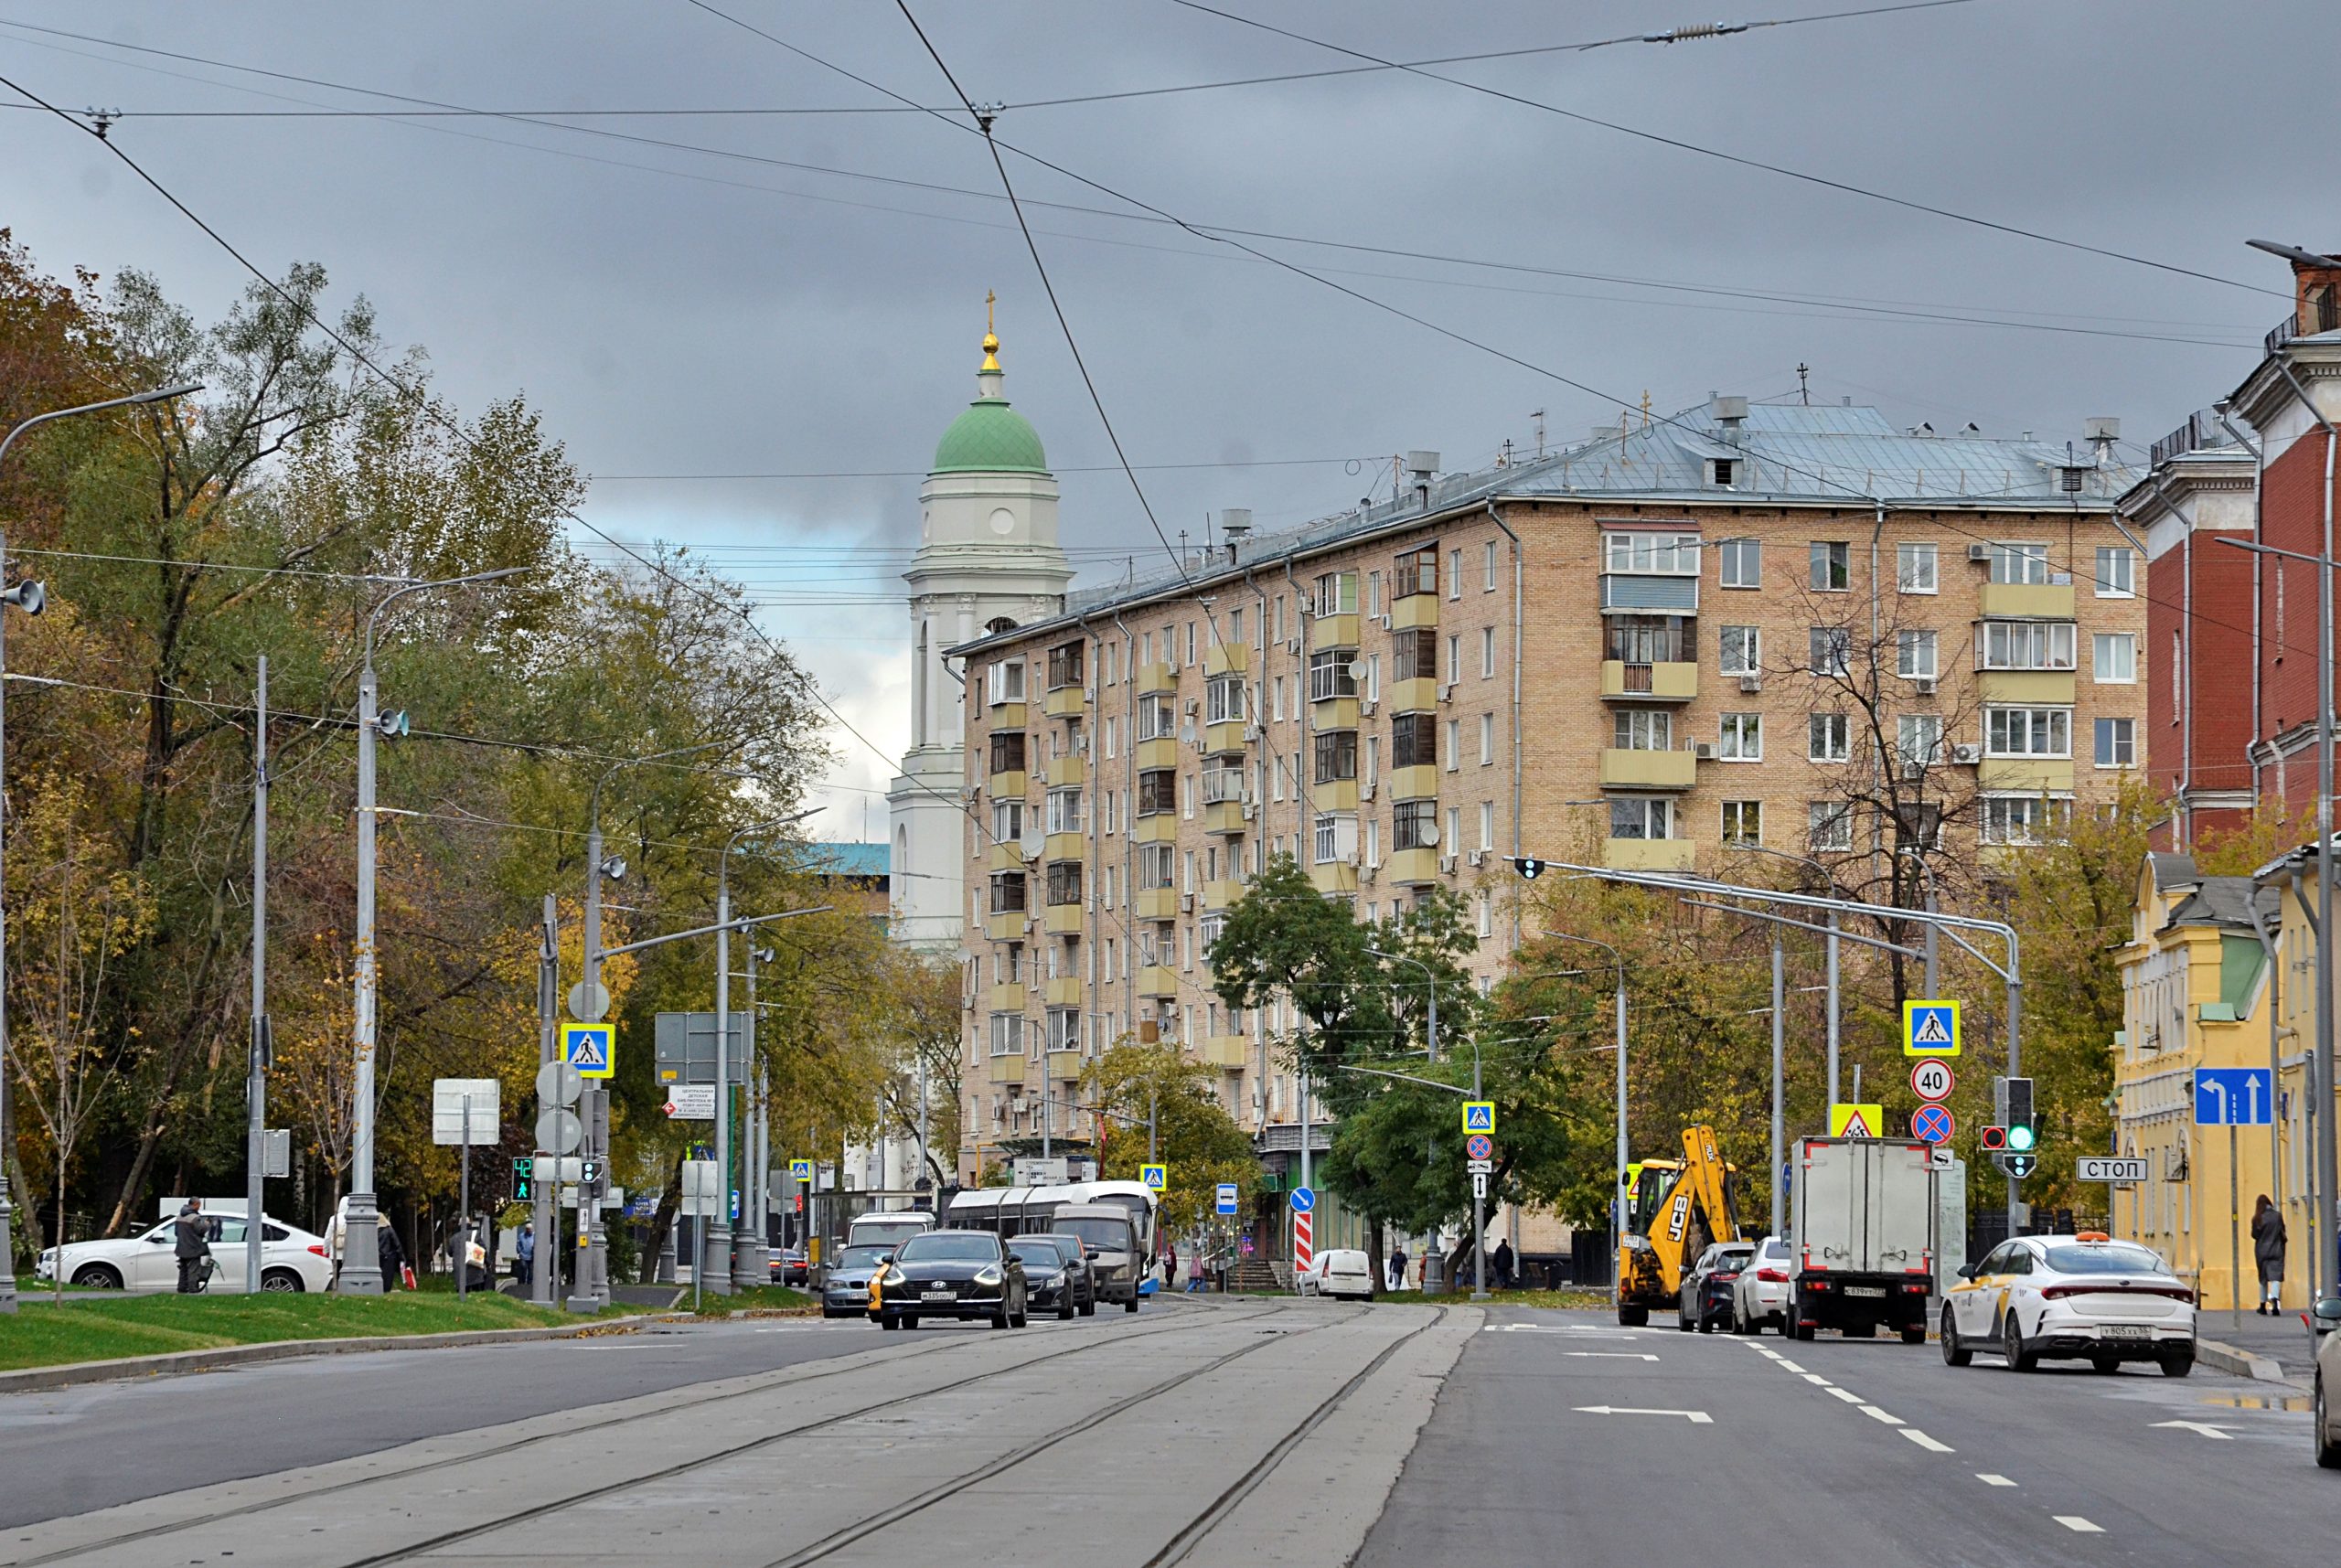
column 1430, row 835
column 1032, row 843
column 1357, row 669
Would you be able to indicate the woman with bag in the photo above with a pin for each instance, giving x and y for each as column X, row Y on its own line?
column 2268, row 1251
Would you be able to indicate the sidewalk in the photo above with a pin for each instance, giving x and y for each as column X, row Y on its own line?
column 2281, row 1345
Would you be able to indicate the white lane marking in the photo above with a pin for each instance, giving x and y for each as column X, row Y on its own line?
column 1813, row 1377
column 1989, row 1479
column 1928, row 1444
column 1599, row 1355
column 2205, row 1427
column 1696, row 1417
column 1786, row 1365
column 1872, row 1413
column 2078, row 1525
column 1845, row 1394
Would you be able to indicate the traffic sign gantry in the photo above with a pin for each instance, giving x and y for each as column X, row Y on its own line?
column 1154, row 1178
column 1479, row 1115
column 1930, row 1029
column 592, row 1049
column 1932, row 1079
column 1933, row 1124
column 1479, row 1146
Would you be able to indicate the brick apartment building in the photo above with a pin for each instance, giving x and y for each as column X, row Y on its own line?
column 1778, row 625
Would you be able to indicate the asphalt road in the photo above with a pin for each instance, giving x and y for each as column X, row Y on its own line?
column 89, row 1447
column 1867, row 1454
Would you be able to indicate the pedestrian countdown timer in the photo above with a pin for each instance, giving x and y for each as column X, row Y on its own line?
column 1930, row 1029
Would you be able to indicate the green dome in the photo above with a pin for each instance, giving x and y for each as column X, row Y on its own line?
column 990, row 438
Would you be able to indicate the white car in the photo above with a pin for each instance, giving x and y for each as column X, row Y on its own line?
column 290, row 1260
column 1340, row 1272
column 1761, row 1294
column 2085, row 1298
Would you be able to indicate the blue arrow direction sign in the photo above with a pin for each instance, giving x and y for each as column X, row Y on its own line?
column 2233, row 1097
column 592, row 1049
column 1304, row 1199
column 1227, row 1198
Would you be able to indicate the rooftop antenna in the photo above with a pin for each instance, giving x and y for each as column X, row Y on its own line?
column 1645, row 408
column 1803, row 392
column 1538, row 415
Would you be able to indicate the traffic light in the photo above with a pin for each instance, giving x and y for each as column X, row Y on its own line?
column 522, row 1170
column 1996, row 1139
column 2016, row 1165
column 2021, row 1137
column 1528, row 866
column 590, row 1171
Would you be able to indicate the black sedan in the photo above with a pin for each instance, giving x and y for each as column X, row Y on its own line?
column 952, row 1273
column 1706, row 1288
column 786, row 1265
column 846, row 1293
column 1053, row 1284
column 1081, row 1274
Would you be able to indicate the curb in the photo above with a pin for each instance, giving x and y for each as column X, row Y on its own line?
column 2242, row 1363
column 35, row 1380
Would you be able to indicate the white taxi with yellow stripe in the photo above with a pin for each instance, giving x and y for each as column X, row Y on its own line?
column 2086, row 1297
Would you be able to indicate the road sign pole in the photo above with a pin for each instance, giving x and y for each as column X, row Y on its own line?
column 1779, row 1122
column 256, row 1072
column 2235, row 1234
column 545, row 1266
column 463, row 1208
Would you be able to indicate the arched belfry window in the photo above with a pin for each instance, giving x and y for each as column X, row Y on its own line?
column 998, row 625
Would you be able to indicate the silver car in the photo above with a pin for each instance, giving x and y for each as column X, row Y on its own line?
column 2325, row 1430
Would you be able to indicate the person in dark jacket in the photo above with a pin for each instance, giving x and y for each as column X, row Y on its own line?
column 1500, row 1263
column 2267, row 1251
column 391, row 1255
column 191, row 1244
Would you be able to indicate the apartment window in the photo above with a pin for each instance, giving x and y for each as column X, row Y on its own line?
column 1918, row 827
column 1832, row 566
column 1414, row 825
column 1064, row 1028
column 1918, row 740
column 1487, row 739
column 1415, row 571
column 1224, row 700
column 1743, row 563
column 1008, row 1034
column 1064, row 882
column 1374, row 605
column 2020, row 563
column 1187, row 795
column 1413, row 740
column 1326, row 841
column 1108, row 813
column 1652, row 639
column 1222, row 781
column 1643, row 729
column 1487, row 825
column 1414, row 656
column 1454, row 658
column 1641, row 816
column 1337, row 593
column 1158, row 717
column 1005, row 681
column 1275, row 700
column 1487, row 652
column 1372, row 760
column 1831, row 825
column 1742, row 650
column 1487, row 570
column 1007, row 820
column 1329, row 674
column 2117, row 572
column 1064, row 811
column 1110, row 733
column 1157, row 865
column 1158, row 792
column 1008, row 751
column 2117, row 742
column 1007, row 892
column 1453, row 840
column 1066, row 664
column 2178, row 663
column 1374, row 677
column 2113, row 658
column 1651, row 554
column 1829, row 738
column 1743, row 822
column 1236, row 625
column 2021, row 819
column 1915, row 655
column 1828, row 650
column 1372, row 851
column 1455, row 574
column 2027, row 645
column 1454, row 745
column 2027, row 731
column 1741, row 737
column 1916, row 569
column 1336, row 755
column 1191, row 642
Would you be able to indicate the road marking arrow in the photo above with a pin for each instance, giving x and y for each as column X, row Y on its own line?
column 2205, row 1427
column 1696, row 1417
column 1614, row 1355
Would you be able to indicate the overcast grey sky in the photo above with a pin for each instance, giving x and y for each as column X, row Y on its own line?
column 721, row 310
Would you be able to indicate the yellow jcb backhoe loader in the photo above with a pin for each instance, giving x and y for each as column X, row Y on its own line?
column 1674, row 1209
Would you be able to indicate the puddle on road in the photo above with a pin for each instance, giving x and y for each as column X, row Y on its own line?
column 2259, row 1401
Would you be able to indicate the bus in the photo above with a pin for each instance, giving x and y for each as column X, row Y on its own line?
column 1021, row 1211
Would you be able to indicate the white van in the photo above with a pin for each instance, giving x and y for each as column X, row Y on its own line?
column 1110, row 1239
column 1340, row 1272
column 888, row 1228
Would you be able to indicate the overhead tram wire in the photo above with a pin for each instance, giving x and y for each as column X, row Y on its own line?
column 1854, row 307
column 1822, row 180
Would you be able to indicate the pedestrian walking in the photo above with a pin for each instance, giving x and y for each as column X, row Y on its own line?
column 2267, row 1251
column 524, row 1255
column 1195, row 1271
column 337, row 1234
column 1398, row 1268
column 191, row 1245
column 1501, row 1262
column 390, row 1255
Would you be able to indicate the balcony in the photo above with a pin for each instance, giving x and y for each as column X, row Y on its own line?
column 1008, row 926
column 1418, row 694
column 1225, row 817
column 1064, row 992
column 1228, row 659
column 1063, row 920
column 1157, row 903
column 1222, row 893
column 1414, row 612
column 1225, row 737
column 1669, row 682
column 1064, row 702
column 1008, row 1069
column 1419, row 781
column 1161, row 827
column 1006, row 999
column 1066, row 847
column 1622, row 769
column 1068, row 772
column 1411, row 868
column 1009, row 785
column 1005, row 716
column 1335, row 713
column 1333, row 631
column 1232, row 1051
column 2049, row 687
column 1154, row 677
column 1162, row 751
column 1648, row 854
column 2026, row 601
column 1339, row 794
column 1007, row 856
column 2025, row 775
column 1158, row 980
column 1334, row 878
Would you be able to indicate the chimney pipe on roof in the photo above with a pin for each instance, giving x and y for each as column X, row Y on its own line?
column 1422, row 468
column 2317, row 287
column 1235, row 527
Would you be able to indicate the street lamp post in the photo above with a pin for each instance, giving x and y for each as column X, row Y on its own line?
column 1617, row 1182
column 361, row 1272
column 732, row 1270
column 1479, row 1220
column 1829, row 877
column 29, row 597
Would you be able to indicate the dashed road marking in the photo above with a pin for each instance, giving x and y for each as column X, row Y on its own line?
column 1877, row 1414
column 1786, row 1365
column 1845, row 1394
column 1928, row 1444
column 2077, row 1524
column 1818, row 1381
column 1989, row 1479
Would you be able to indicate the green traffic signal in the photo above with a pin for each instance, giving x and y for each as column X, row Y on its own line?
column 2020, row 1138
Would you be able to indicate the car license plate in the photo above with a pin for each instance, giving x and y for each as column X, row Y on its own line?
column 2123, row 1331
column 1865, row 1290
column 937, row 1295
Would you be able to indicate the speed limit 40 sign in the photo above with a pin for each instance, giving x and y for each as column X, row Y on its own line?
column 1931, row 1079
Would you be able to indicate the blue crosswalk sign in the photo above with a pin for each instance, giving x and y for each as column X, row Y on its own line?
column 592, row 1049
column 2233, row 1097
column 1479, row 1116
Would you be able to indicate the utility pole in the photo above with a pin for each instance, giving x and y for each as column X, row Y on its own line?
column 1779, row 1122
column 1833, row 1007
column 544, row 1271
column 256, row 1067
column 714, row 1262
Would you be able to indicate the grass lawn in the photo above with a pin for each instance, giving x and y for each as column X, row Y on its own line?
column 1580, row 1300
column 41, row 1335
column 761, row 1299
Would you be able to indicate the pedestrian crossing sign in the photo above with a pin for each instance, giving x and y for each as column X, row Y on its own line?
column 800, row 1170
column 592, row 1049
column 1930, row 1029
column 1479, row 1115
column 1153, row 1177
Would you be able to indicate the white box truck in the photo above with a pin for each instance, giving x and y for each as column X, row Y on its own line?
column 1862, row 1250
